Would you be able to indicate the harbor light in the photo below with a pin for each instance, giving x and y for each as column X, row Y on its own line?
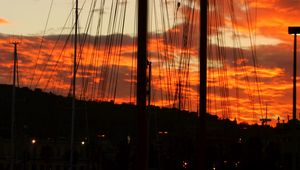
column 128, row 139
column 163, row 132
column 185, row 164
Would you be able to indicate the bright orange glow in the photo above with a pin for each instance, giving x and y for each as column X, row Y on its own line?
column 3, row 21
column 236, row 89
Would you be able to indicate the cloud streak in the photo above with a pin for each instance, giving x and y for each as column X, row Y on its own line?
column 242, row 78
column 3, row 21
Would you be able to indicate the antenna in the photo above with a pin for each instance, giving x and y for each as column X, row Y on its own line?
column 264, row 121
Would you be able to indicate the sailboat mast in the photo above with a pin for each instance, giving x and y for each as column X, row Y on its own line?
column 141, row 93
column 295, row 79
column 13, row 108
column 203, row 82
column 74, row 87
column 149, row 82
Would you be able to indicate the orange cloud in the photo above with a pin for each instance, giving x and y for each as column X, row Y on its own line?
column 236, row 88
column 3, row 21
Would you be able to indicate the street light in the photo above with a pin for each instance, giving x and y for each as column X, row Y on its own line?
column 294, row 31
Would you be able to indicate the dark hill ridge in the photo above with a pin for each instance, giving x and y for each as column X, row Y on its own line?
column 46, row 114
column 173, row 134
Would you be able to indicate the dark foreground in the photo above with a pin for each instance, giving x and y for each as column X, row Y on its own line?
column 105, row 137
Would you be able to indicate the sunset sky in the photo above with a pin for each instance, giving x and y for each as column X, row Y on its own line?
column 250, row 52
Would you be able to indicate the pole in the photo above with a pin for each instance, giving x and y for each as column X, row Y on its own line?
column 13, row 107
column 203, row 84
column 149, row 82
column 74, row 88
column 179, row 95
column 294, row 79
column 142, row 151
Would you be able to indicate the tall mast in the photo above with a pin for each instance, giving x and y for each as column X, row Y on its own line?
column 149, row 82
column 13, row 107
column 295, row 79
column 74, row 87
column 203, row 82
column 142, row 150
column 294, row 31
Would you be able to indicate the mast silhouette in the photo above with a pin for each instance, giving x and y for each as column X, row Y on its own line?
column 203, row 83
column 13, row 108
column 294, row 31
column 74, row 88
column 141, row 93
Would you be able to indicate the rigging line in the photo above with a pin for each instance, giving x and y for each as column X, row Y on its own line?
column 118, row 50
column 253, row 52
column 240, row 53
column 107, row 50
column 83, row 61
column 173, row 44
column 243, row 64
column 87, row 38
column 52, row 51
column 98, row 68
column 112, row 52
column 158, row 53
column 114, row 47
column 165, row 51
column 212, row 54
column 41, row 44
column 189, row 46
column 62, row 51
column 123, row 26
column 82, row 45
column 82, row 42
column 178, row 71
column 57, row 61
column 188, row 84
column 154, row 32
column 225, row 74
column 133, row 57
column 81, row 64
column 96, row 49
column 93, row 60
column 221, row 54
column 56, row 43
column 182, row 63
column 235, row 53
column 166, row 60
column 60, row 82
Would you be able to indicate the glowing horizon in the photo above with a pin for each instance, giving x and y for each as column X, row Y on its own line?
column 236, row 88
